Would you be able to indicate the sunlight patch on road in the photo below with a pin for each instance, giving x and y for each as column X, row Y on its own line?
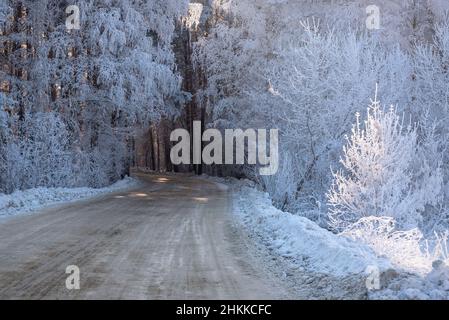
column 138, row 195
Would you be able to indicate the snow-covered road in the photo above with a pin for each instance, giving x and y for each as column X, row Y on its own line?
column 171, row 238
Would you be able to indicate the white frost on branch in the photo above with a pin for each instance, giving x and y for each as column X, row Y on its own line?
column 193, row 18
column 378, row 176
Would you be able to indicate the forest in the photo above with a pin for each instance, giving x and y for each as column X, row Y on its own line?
column 71, row 99
column 362, row 113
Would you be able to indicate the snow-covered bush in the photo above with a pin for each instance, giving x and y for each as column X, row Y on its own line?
column 401, row 247
column 281, row 186
column 407, row 250
column 390, row 188
column 379, row 176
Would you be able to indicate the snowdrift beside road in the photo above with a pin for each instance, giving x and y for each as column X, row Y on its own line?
column 37, row 198
column 299, row 239
column 331, row 266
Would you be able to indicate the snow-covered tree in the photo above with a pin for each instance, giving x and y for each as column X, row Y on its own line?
column 379, row 175
column 94, row 85
column 303, row 76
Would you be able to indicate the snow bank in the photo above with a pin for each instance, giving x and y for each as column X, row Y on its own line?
column 434, row 286
column 316, row 251
column 37, row 198
column 300, row 240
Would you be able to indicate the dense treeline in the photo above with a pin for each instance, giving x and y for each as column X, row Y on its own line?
column 69, row 99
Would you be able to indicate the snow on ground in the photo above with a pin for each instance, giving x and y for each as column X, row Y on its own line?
column 331, row 266
column 300, row 239
column 434, row 286
column 21, row 202
column 313, row 262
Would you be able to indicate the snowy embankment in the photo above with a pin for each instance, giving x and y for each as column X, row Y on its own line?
column 21, row 202
column 299, row 239
column 330, row 265
column 314, row 262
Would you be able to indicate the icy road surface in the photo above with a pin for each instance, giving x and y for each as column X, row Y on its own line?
column 170, row 239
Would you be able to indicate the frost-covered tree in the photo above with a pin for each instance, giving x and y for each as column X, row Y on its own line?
column 94, row 85
column 321, row 78
column 42, row 157
column 5, row 12
column 307, row 71
column 379, row 175
column 303, row 76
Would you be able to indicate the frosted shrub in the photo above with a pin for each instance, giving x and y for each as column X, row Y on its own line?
column 438, row 247
column 402, row 248
column 282, row 185
column 406, row 250
column 379, row 176
column 387, row 183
